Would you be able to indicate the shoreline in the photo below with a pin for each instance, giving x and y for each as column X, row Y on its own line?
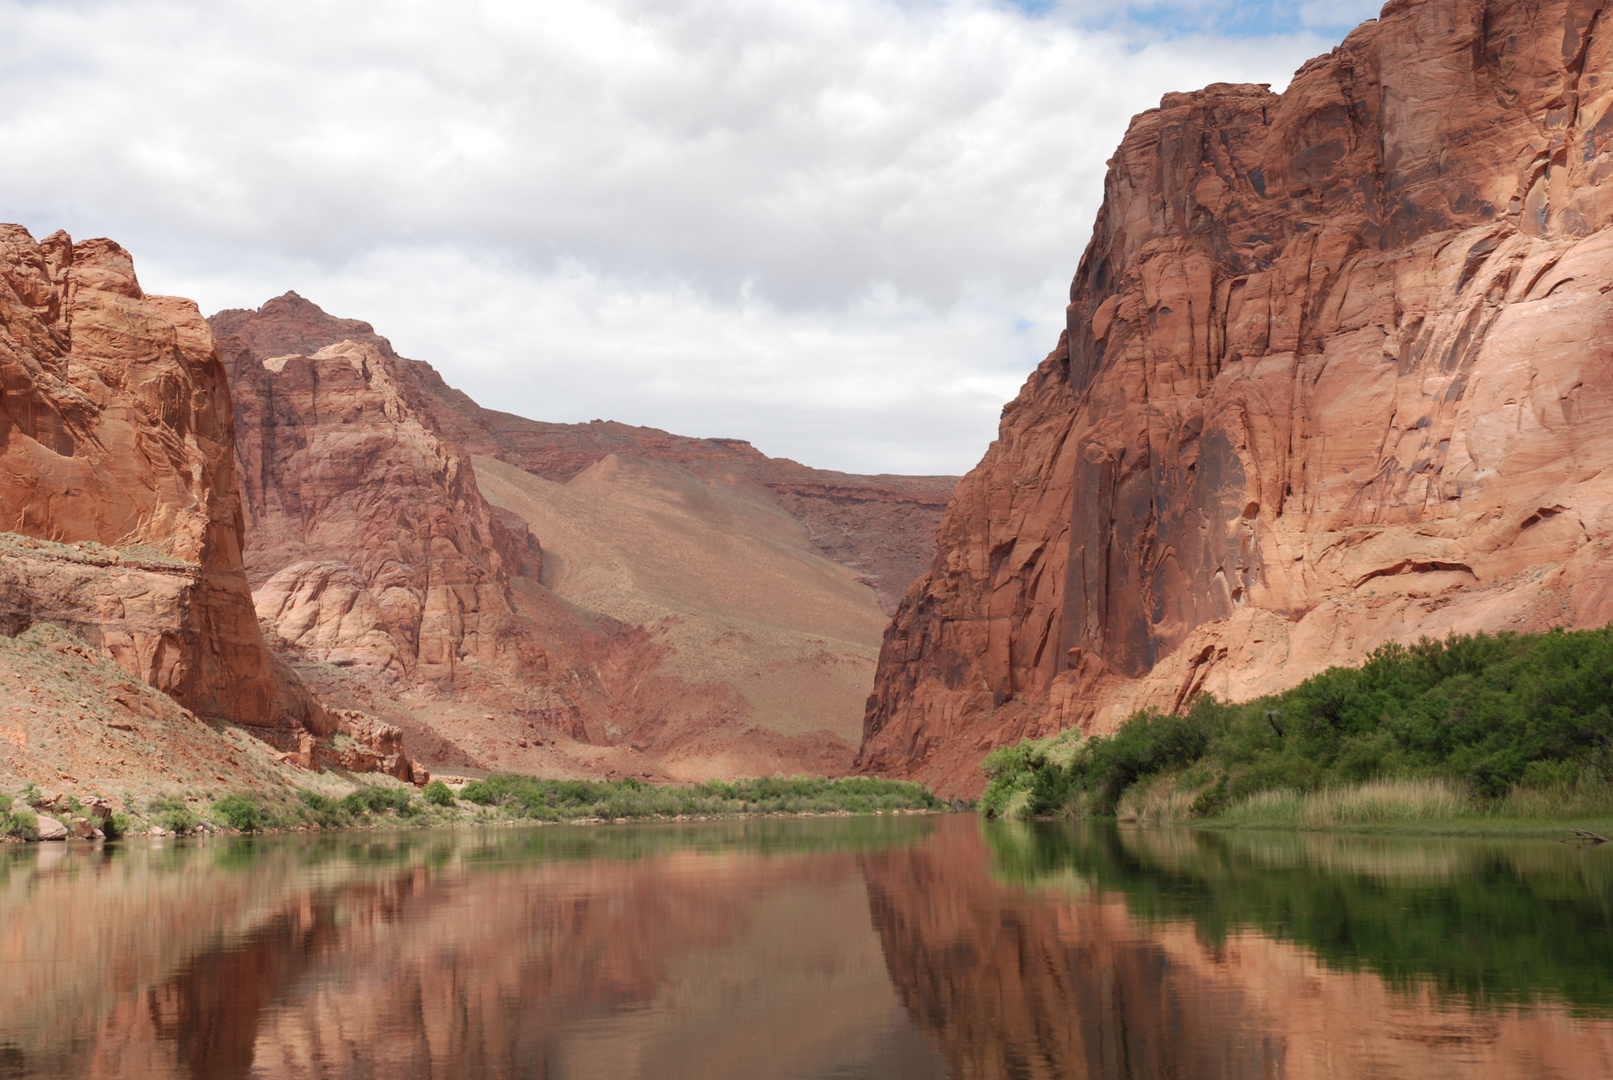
column 403, row 824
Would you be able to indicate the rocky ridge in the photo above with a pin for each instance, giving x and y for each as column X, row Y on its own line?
column 1333, row 375
column 387, row 577
column 882, row 526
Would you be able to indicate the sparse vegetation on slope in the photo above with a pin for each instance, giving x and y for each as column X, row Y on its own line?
column 1511, row 725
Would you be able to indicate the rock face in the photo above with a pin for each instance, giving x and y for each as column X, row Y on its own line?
column 1334, row 374
column 117, row 482
column 370, row 542
column 882, row 526
column 397, row 587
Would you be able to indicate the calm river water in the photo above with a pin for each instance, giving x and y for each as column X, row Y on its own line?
column 881, row 948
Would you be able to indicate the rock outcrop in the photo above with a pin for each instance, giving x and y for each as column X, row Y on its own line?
column 371, row 544
column 1334, row 374
column 673, row 639
column 882, row 526
column 117, row 482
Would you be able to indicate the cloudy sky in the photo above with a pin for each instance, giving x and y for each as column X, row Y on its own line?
column 842, row 229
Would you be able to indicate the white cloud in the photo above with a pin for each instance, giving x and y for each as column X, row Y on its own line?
column 840, row 228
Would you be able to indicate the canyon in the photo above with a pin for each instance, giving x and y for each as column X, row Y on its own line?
column 589, row 599
column 1333, row 375
column 279, row 525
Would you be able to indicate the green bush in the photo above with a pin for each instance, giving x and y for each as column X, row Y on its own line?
column 566, row 800
column 240, row 812
column 438, row 793
column 23, row 824
column 170, row 812
column 1491, row 713
column 116, row 827
column 376, row 798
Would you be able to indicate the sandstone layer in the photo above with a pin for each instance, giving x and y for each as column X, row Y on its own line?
column 1334, row 374
column 117, row 482
column 726, row 585
column 664, row 616
column 881, row 526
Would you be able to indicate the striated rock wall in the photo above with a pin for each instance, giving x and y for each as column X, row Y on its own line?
column 371, row 544
column 1334, row 374
column 117, row 482
column 882, row 526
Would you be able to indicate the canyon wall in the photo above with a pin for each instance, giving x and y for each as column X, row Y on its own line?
column 117, row 482
column 561, row 605
column 1334, row 374
column 881, row 526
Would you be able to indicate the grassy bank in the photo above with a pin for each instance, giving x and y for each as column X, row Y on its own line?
column 496, row 799
column 1478, row 732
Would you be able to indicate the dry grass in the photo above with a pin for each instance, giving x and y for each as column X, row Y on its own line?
column 1158, row 800
column 1380, row 802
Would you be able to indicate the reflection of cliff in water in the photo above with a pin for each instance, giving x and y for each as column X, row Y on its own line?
column 1488, row 921
column 1105, row 955
column 557, row 952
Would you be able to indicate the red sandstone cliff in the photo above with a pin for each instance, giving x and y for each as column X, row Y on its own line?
column 680, row 628
column 882, row 526
column 117, row 480
column 1334, row 374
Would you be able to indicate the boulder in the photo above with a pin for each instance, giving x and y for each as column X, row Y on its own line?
column 51, row 829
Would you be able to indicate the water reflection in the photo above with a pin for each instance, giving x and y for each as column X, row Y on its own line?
column 903, row 948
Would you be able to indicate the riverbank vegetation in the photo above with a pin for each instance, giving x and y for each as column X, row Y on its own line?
column 1506, row 727
column 499, row 798
column 571, row 800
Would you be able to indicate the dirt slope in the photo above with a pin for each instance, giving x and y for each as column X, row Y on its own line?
column 728, row 585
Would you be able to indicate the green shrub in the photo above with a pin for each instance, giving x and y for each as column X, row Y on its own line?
column 375, row 799
column 565, row 800
column 480, row 792
column 23, row 824
column 116, row 827
column 240, row 812
column 1489, row 714
column 438, row 793
column 170, row 812
column 320, row 809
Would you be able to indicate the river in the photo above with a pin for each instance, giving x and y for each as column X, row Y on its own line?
column 897, row 947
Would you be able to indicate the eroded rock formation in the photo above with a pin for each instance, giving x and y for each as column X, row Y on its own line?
column 1335, row 374
column 117, row 482
column 396, row 587
column 371, row 544
column 882, row 526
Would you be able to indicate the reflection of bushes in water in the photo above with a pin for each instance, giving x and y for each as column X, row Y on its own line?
column 1490, row 921
column 500, row 849
column 1519, row 725
column 565, row 800
column 746, row 836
